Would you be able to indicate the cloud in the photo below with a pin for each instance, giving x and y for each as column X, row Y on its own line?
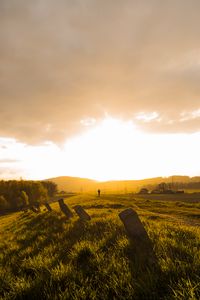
column 66, row 61
column 148, row 117
column 7, row 161
column 10, row 173
column 185, row 116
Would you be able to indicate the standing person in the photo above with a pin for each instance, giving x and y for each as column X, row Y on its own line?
column 99, row 192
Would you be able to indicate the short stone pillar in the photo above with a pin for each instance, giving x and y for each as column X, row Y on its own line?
column 142, row 246
column 48, row 207
column 83, row 215
column 65, row 209
column 132, row 224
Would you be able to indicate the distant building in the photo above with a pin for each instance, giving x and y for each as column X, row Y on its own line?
column 143, row 191
column 156, row 191
column 163, row 188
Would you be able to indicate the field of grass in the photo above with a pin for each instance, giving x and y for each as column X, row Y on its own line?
column 46, row 256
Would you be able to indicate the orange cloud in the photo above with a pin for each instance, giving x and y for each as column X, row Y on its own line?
column 67, row 61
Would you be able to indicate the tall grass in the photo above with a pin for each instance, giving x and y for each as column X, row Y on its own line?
column 45, row 256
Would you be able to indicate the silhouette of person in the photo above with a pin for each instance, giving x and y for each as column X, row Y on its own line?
column 99, row 192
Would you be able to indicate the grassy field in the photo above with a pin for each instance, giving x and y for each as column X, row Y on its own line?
column 45, row 256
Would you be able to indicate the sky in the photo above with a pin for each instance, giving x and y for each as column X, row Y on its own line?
column 99, row 89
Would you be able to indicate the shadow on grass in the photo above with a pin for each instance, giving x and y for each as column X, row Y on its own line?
column 46, row 230
column 102, row 206
column 92, row 251
column 36, row 233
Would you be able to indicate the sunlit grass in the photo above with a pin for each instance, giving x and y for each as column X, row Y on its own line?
column 46, row 256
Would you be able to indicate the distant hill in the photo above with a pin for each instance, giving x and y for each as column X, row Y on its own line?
column 74, row 184
column 79, row 185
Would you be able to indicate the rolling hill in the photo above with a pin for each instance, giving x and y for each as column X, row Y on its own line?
column 79, row 185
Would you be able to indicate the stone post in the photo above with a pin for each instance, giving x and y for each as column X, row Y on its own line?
column 132, row 224
column 142, row 246
column 65, row 209
column 83, row 215
column 48, row 207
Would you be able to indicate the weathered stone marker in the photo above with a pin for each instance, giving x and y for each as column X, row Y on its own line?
column 132, row 224
column 65, row 209
column 142, row 246
column 48, row 206
column 83, row 215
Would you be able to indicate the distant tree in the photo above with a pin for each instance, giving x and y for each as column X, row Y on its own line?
column 23, row 200
column 51, row 188
column 162, row 186
column 18, row 194
column 42, row 193
column 3, row 203
column 38, row 193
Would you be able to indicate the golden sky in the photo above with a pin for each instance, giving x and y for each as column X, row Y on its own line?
column 99, row 89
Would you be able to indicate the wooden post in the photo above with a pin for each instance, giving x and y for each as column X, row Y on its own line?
column 65, row 209
column 83, row 215
column 48, row 206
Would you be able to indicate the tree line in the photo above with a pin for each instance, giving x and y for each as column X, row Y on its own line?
column 15, row 195
column 174, row 185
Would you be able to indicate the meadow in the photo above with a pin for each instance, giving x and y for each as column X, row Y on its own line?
column 46, row 256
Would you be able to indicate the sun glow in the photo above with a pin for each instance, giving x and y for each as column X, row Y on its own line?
column 111, row 149
column 116, row 149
